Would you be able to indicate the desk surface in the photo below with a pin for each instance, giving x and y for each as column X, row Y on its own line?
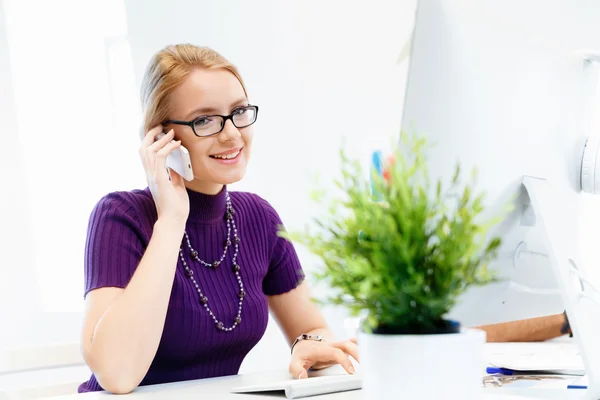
column 219, row 388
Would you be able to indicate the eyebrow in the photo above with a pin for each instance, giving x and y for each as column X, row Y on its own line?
column 214, row 110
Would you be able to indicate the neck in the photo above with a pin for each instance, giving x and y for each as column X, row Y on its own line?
column 207, row 208
column 204, row 187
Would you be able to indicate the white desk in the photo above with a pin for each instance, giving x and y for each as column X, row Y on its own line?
column 219, row 388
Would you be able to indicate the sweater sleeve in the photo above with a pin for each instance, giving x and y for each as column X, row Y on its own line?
column 285, row 272
column 114, row 244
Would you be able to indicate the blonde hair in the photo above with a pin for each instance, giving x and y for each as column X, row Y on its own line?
column 167, row 70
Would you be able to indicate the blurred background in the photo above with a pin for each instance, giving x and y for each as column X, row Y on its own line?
column 324, row 73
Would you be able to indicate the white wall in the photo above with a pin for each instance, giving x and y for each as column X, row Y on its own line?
column 330, row 64
column 333, row 64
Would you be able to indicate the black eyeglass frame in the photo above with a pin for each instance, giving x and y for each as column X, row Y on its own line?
column 224, row 117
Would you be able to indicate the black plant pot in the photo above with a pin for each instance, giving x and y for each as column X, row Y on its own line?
column 439, row 327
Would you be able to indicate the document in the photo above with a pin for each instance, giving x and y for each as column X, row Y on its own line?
column 558, row 358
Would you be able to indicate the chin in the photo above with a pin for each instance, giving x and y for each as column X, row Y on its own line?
column 230, row 178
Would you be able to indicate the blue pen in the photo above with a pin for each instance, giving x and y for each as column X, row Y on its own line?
column 576, row 387
column 503, row 371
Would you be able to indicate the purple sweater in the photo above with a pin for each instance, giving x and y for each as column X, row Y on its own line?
column 191, row 346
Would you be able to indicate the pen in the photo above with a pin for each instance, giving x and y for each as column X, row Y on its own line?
column 576, row 387
column 503, row 371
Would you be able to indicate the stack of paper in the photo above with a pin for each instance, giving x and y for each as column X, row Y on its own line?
column 558, row 358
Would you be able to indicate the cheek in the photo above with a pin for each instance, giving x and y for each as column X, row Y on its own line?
column 181, row 134
column 248, row 137
column 188, row 142
column 199, row 151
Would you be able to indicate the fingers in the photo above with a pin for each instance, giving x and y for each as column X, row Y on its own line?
column 329, row 355
column 348, row 347
column 320, row 355
column 341, row 358
column 150, row 137
column 150, row 146
column 161, row 159
column 160, row 143
column 149, row 153
column 299, row 368
column 147, row 140
column 176, row 179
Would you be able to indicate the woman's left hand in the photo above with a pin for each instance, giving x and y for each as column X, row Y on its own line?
column 317, row 355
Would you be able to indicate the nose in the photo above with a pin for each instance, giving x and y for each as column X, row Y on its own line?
column 229, row 132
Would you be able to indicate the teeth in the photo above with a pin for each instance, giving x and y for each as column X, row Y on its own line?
column 228, row 156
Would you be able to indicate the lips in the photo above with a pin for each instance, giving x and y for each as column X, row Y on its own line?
column 227, row 155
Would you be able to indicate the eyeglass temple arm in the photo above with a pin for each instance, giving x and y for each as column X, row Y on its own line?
column 177, row 122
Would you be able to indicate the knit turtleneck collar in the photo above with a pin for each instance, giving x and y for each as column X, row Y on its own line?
column 207, row 208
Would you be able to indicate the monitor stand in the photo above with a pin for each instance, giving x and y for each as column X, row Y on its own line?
column 581, row 297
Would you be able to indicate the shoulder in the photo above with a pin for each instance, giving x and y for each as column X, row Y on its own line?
column 257, row 206
column 131, row 205
column 265, row 220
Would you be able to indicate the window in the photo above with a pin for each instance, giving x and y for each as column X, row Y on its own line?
column 77, row 113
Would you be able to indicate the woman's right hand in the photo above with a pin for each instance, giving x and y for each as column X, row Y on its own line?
column 170, row 196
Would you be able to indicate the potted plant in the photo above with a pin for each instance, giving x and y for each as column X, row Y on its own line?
column 400, row 261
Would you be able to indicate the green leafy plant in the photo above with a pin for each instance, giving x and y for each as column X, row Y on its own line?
column 404, row 258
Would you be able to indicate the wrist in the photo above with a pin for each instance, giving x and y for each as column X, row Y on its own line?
column 297, row 346
column 173, row 226
column 305, row 338
column 565, row 328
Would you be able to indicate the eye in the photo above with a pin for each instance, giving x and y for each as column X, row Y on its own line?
column 203, row 121
column 240, row 111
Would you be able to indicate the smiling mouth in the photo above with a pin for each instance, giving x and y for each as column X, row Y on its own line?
column 229, row 156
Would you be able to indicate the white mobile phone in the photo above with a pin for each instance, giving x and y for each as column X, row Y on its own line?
column 179, row 161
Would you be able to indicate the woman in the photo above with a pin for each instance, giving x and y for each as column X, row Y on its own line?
column 180, row 276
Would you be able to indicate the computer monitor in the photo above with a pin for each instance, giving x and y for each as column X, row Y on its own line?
column 504, row 87
column 498, row 90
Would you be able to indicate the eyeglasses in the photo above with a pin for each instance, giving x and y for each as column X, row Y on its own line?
column 209, row 125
